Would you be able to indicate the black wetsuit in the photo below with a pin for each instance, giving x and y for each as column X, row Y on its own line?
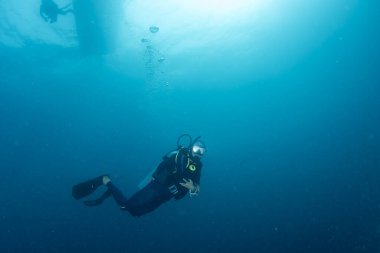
column 49, row 11
column 165, row 184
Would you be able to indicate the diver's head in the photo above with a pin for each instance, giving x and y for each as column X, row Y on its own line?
column 198, row 149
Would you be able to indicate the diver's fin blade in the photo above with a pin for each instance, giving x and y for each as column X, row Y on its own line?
column 96, row 202
column 86, row 188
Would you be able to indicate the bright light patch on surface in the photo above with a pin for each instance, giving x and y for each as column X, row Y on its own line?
column 191, row 9
column 214, row 39
column 188, row 24
column 218, row 7
column 241, row 40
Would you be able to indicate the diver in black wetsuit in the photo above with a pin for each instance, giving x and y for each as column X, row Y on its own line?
column 49, row 10
column 178, row 174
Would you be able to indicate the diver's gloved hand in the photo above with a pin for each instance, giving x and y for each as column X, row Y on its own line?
column 193, row 188
column 188, row 183
column 106, row 180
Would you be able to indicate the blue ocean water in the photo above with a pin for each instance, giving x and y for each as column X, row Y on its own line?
column 285, row 95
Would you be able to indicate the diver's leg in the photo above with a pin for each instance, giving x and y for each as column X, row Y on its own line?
column 144, row 201
column 65, row 9
column 66, row 6
column 117, row 195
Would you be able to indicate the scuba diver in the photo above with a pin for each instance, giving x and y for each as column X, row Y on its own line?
column 178, row 174
column 49, row 10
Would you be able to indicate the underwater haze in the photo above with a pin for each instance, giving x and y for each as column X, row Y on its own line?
column 285, row 94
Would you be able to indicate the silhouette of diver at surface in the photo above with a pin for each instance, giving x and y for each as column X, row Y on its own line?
column 49, row 10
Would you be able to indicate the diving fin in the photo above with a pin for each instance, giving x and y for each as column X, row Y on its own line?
column 86, row 188
column 96, row 202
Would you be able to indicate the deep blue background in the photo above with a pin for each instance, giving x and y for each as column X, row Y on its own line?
column 292, row 166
